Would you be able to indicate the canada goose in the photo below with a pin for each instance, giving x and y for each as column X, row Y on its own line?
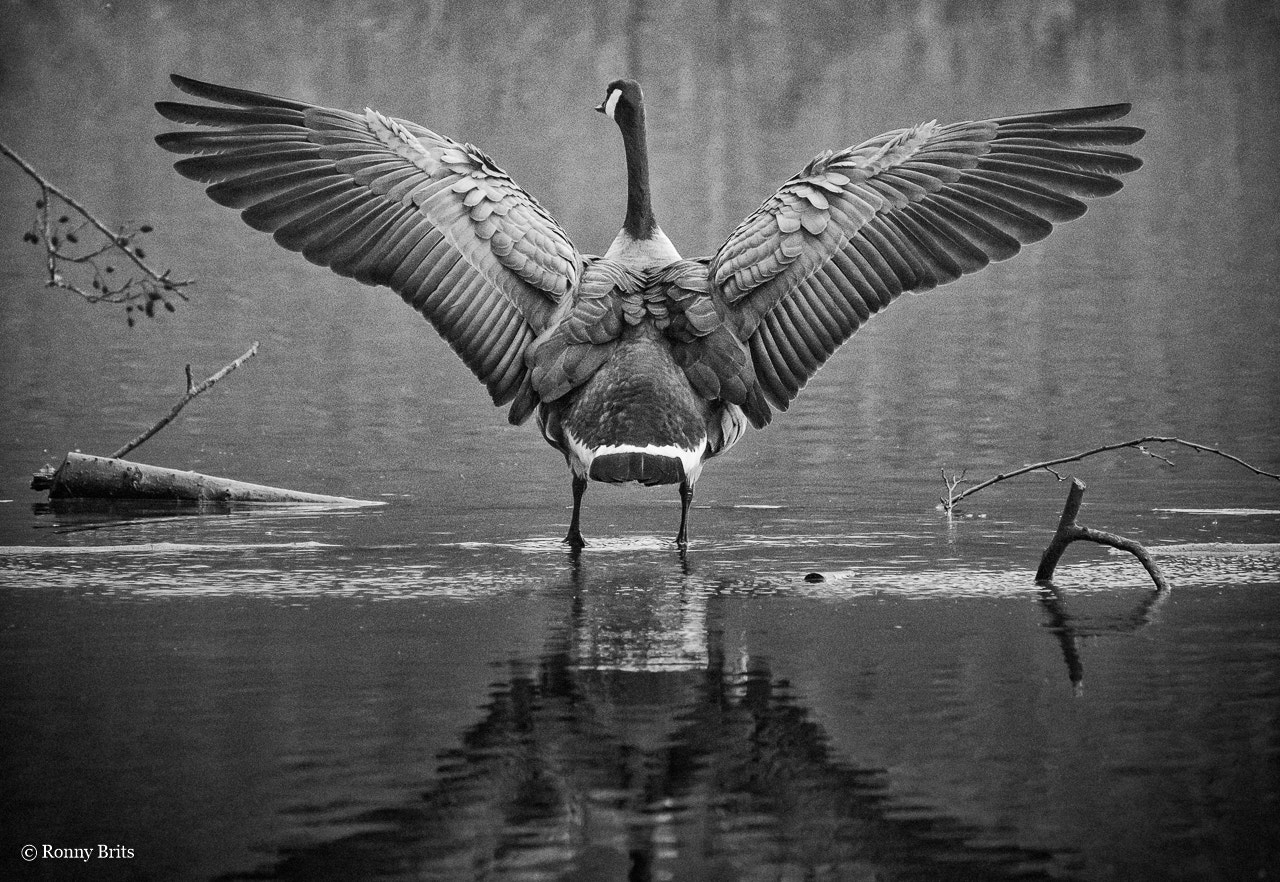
column 640, row 364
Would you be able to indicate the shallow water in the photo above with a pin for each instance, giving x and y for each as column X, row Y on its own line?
column 836, row 681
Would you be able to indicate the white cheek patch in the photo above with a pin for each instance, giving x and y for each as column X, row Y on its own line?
column 611, row 103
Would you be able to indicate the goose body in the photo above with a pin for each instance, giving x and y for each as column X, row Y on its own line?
column 640, row 365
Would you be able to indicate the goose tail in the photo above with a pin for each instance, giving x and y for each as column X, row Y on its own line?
column 650, row 469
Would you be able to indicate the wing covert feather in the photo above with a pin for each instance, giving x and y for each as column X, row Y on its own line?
column 389, row 202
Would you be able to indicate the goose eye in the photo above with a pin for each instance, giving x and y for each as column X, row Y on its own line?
column 611, row 103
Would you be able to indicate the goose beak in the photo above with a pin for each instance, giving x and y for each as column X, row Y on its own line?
column 600, row 108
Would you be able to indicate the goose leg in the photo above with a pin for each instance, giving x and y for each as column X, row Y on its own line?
column 686, row 500
column 574, row 539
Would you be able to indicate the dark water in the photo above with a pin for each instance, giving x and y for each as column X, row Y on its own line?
column 433, row 688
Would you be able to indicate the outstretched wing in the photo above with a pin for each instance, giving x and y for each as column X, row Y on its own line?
column 907, row 211
column 388, row 202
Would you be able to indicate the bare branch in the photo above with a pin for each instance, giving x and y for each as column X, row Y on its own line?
column 1151, row 453
column 1070, row 531
column 192, row 392
column 952, row 482
column 1136, row 443
column 153, row 288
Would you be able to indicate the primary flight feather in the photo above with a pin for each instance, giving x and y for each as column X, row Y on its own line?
column 641, row 365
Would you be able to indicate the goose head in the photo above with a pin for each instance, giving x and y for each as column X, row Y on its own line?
column 623, row 103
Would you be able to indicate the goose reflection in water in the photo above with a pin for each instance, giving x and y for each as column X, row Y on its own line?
column 643, row 745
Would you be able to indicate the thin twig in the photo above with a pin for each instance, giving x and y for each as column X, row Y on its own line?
column 953, row 498
column 1151, row 453
column 192, row 392
column 158, row 282
column 952, row 482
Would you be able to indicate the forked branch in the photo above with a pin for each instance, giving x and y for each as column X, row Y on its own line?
column 952, row 497
column 192, row 392
column 1069, row 530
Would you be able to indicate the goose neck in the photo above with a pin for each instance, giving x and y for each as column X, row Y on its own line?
column 640, row 222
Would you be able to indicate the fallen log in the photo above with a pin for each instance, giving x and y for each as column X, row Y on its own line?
column 100, row 477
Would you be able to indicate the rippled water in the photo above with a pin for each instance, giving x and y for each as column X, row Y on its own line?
column 836, row 681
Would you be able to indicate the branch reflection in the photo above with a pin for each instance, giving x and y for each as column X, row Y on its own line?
column 1072, row 629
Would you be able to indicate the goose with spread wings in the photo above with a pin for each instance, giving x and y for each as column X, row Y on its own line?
column 641, row 365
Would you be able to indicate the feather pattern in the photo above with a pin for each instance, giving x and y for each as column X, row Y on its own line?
column 613, row 296
column 389, row 202
column 906, row 211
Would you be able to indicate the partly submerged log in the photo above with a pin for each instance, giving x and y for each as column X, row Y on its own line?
column 100, row 477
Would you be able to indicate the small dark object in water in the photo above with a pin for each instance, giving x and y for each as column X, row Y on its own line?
column 815, row 577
